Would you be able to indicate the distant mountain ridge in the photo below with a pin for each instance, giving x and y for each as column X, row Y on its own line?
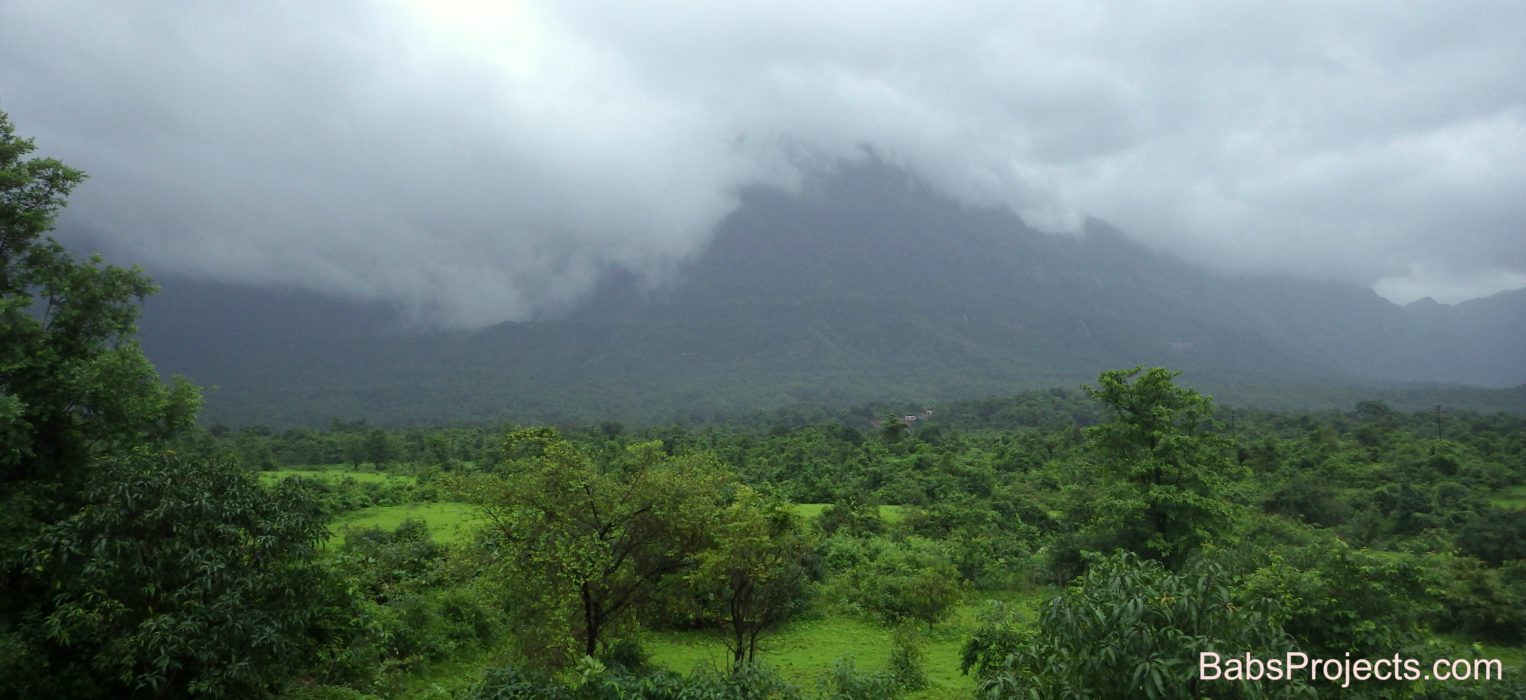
column 867, row 286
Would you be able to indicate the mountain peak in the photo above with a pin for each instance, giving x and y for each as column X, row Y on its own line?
column 867, row 285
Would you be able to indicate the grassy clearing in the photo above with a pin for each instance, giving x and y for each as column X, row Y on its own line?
column 805, row 650
column 448, row 522
column 1512, row 497
column 336, row 475
column 451, row 678
column 1512, row 659
column 810, row 511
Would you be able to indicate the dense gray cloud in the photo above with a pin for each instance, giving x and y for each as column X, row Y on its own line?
column 477, row 162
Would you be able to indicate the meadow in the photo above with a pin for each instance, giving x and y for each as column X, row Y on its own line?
column 802, row 652
column 448, row 522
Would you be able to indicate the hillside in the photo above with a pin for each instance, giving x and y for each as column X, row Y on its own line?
column 867, row 286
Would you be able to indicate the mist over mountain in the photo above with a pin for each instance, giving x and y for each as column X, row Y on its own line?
column 866, row 285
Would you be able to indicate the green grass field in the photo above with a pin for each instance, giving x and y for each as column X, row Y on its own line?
column 448, row 522
column 805, row 650
column 335, row 475
column 1512, row 497
column 810, row 511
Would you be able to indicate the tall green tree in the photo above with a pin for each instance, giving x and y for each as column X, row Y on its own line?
column 73, row 383
column 1161, row 446
column 126, row 572
column 583, row 544
column 753, row 577
column 74, row 386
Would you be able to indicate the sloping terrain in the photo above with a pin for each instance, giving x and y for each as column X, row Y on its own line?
column 866, row 286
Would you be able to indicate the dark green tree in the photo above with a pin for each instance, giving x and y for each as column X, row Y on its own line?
column 378, row 448
column 73, row 383
column 753, row 577
column 127, row 571
column 584, row 543
column 1130, row 628
column 179, row 578
column 1161, row 448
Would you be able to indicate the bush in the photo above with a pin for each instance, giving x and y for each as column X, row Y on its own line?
column 1128, row 628
column 1333, row 598
column 854, row 515
column 844, row 682
column 1484, row 602
column 514, row 682
column 386, row 565
column 626, row 655
column 906, row 659
column 895, row 582
column 593, row 680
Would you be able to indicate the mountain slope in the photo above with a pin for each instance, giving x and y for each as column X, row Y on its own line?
column 867, row 286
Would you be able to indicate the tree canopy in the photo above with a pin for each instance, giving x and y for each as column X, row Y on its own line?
column 127, row 571
column 1161, row 445
column 589, row 541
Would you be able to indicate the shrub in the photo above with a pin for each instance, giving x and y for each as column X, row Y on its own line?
column 844, row 682
column 895, row 582
column 906, row 658
column 1128, row 628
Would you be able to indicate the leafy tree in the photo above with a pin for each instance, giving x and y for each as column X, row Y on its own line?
column 1334, row 598
column 592, row 542
column 73, row 383
column 354, row 448
column 1161, row 445
column 1130, row 628
column 74, row 386
column 178, row 578
column 1494, row 535
column 911, row 580
column 893, row 429
column 378, row 448
column 754, row 576
column 853, row 514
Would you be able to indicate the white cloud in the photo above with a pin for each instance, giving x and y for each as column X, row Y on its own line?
column 476, row 162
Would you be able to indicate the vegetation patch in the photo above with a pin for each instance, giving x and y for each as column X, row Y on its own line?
column 1513, row 497
column 447, row 522
column 336, row 474
column 891, row 514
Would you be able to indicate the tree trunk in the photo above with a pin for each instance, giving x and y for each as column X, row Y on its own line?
column 591, row 622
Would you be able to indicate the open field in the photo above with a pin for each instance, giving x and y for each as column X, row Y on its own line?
column 811, row 511
column 1512, row 497
column 448, row 522
column 806, row 649
column 336, row 474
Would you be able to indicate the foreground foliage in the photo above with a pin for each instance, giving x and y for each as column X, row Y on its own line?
column 178, row 577
column 1131, row 628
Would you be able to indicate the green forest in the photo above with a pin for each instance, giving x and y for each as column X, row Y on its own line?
column 1079, row 542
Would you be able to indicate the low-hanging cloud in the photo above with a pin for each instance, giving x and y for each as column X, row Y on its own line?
column 481, row 162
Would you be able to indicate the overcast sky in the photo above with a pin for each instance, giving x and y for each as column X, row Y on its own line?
column 479, row 162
